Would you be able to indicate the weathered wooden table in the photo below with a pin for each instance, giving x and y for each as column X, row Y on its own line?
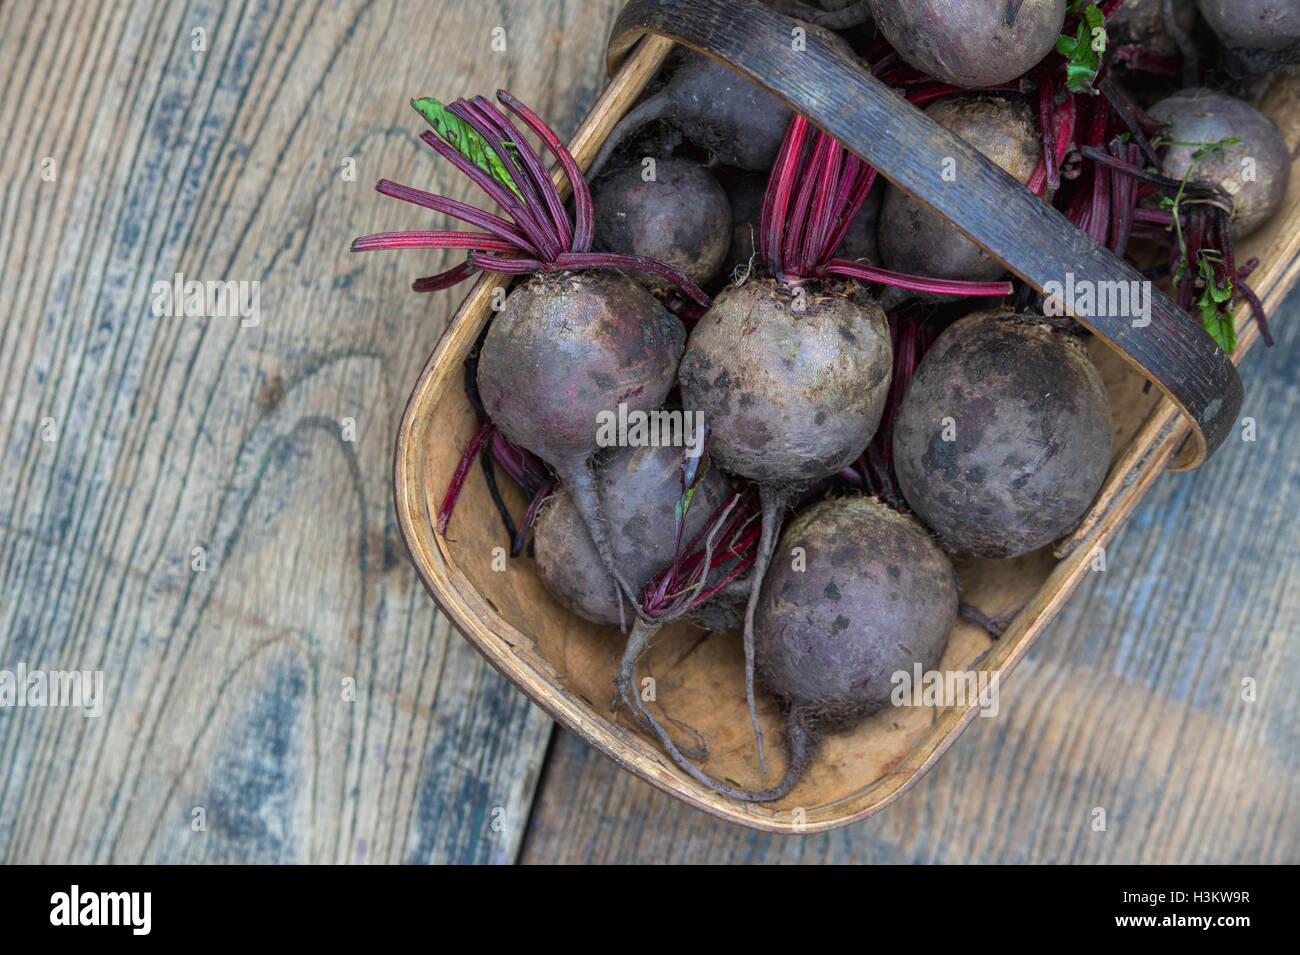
column 200, row 507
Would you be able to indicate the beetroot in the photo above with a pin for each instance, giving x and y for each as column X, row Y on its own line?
column 1253, row 24
column 639, row 489
column 1003, row 438
column 1142, row 23
column 971, row 42
column 569, row 566
column 715, row 108
column 793, row 387
column 567, row 345
column 680, row 217
column 1254, row 172
column 874, row 596
column 1226, row 167
column 914, row 238
column 871, row 596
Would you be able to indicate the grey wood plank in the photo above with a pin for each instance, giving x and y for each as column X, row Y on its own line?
column 225, row 687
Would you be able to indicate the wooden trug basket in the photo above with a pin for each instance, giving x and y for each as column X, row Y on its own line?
column 567, row 665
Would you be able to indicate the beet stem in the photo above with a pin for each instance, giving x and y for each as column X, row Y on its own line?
column 466, row 213
column 530, row 515
column 776, row 199
column 1099, row 221
column 690, row 573
column 1047, row 121
column 461, row 472
column 490, row 479
column 1135, row 119
column 795, row 252
column 856, row 183
column 531, row 170
column 1160, row 217
column 524, row 467
column 927, row 94
column 510, row 266
column 436, row 283
column 939, row 286
column 584, row 227
column 638, row 263
column 1257, row 309
column 820, row 217
column 1191, row 189
column 679, row 577
column 432, row 240
column 1123, row 196
column 473, row 115
column 524, row 217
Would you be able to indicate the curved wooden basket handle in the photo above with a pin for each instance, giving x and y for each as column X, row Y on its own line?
column 995, row 211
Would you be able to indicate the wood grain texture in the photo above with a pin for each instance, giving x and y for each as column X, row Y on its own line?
column 225, row 687
column 1131, row 702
